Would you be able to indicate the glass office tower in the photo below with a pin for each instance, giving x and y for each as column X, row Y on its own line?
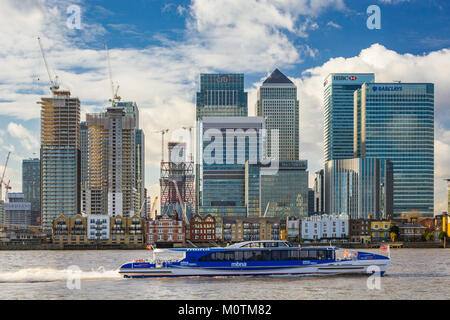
column 286, row 192
column 227, row 144
column 359, row 187
column 221, row 95
column 31, row 185
column 395, row 121
column 338, row 113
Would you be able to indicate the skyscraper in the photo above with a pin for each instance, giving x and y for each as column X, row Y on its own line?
column 278, row 104
column 395, row 121
column 111, row 163
column 221, row 95
column 84, row 164
column 31, row 185
column 60, row 157
column 235, row 140
column 359, row 188
column 140, row 197
column 338, row 113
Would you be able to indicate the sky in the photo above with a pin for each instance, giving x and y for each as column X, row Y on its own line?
column 159, row 48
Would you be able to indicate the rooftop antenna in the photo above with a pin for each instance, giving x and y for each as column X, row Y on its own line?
column 53, row 81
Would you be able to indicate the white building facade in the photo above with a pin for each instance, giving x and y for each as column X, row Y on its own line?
column 325, row 228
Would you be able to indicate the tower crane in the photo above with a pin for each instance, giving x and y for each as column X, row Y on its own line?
column 7, row 187
column 191, row 143
column 53, row 80
column 3, row 174
column 163, row 132
column 114, row 90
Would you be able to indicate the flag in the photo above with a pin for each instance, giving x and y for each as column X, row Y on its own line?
column 383, row 248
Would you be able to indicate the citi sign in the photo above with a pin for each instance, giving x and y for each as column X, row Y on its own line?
column 387, row 88
column 345, row 78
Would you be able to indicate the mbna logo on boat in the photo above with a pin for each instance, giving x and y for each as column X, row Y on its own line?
column 239, row 264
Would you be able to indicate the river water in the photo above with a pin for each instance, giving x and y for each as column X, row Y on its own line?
column 413, row 274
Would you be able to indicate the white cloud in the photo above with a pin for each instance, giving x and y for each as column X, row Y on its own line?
column 334, row 25
column 232, row 36
column 387, row 65
column 27, row 139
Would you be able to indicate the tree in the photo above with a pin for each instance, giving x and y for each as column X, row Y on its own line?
column 396, row 231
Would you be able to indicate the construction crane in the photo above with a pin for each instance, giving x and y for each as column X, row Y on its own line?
column 7, row 187
column 191, row 143
column 53, row 80
column 114, row 90
column 3, row 174
column 163, row 132
column 182, row 203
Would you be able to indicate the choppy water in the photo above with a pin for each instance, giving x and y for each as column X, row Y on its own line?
column 414, row 274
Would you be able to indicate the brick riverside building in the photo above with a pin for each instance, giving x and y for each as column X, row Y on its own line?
column 166, row 229
column 203, row 229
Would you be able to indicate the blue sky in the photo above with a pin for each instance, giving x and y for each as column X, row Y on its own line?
column 158, row 48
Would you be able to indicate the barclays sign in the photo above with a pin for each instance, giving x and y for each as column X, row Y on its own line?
column 387, row 88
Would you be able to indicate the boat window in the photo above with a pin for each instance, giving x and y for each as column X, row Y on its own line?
column 293, row 255
column 229, row 256
column 239, row 255
column 304, row 254
column 276, row 255
column 270, row 244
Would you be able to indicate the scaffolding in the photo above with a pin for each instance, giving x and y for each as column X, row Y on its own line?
column 182, row 173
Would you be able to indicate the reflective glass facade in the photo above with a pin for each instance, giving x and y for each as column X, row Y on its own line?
column 221, row 95
column 31, row 186
column 286, row 192
column 359, row 187
column 338, row 113
column 222, row 179
column 395, row 121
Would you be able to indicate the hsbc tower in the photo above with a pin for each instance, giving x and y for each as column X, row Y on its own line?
column 338, row 113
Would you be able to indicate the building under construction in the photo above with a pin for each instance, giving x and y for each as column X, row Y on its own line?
column 177, row 181
column 60, row 156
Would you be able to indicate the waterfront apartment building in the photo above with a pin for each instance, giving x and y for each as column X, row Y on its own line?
column 325, row 228
column 17, row 211
column 278, row 104
column 202, row 229
column 84, row 147
column 31, row 185
column 338, row 113
column 237, row 229
column 97, row 229
column 60, row 157
column 395, row 121
column 359, row 187
column 111, row 185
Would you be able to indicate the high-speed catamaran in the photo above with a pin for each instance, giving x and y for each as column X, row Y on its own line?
column 255, row 258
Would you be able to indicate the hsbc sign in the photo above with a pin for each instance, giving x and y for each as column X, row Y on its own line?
column 345, row 78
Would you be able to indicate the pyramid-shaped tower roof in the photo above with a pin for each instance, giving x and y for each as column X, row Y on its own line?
column 277, row 77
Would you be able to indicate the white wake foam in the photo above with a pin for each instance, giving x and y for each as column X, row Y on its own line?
column 46, row 275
